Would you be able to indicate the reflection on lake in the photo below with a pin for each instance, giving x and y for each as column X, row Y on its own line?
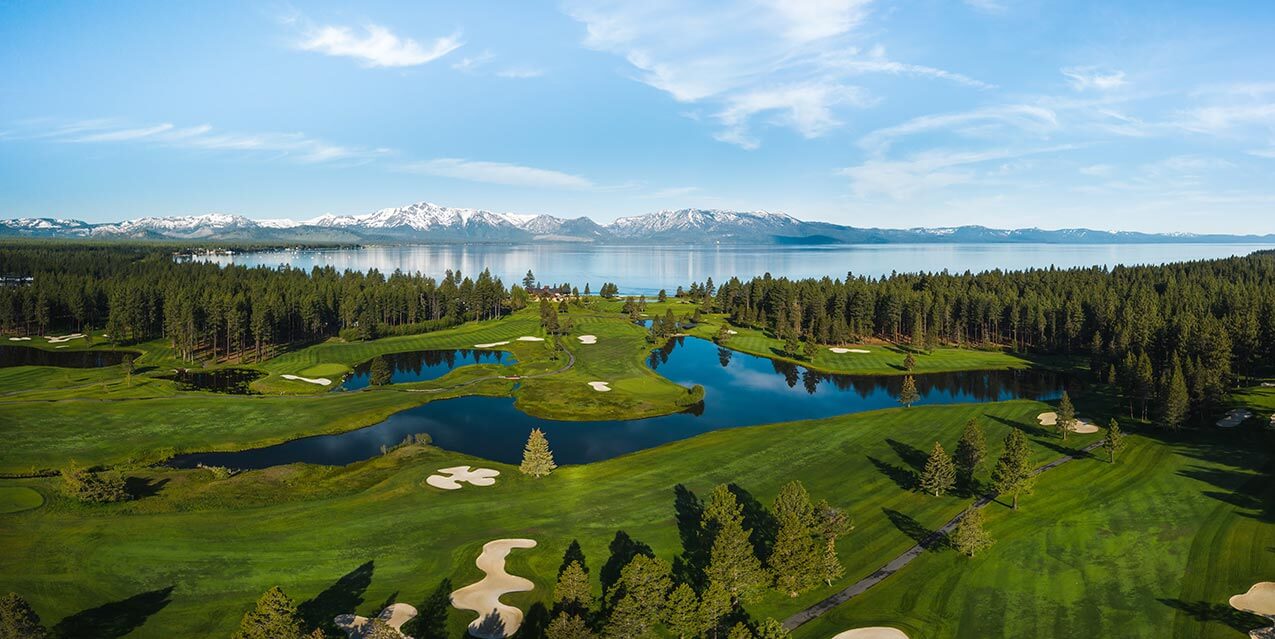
column 645, row 269
column 419, row 366
column 233, row 381
column 28, row 356
column 740, row 390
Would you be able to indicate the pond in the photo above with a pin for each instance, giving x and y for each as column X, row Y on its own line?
column 740, row 390
column 419, row 366
column 234, row 381
column 26, row 356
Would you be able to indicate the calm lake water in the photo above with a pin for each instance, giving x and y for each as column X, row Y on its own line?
column 420, row 366
column 740, row 390
column 646, row 269
column 28, row 356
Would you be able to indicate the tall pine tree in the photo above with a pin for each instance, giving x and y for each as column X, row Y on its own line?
column 1014, row 472
column 971, row 450
column 537, row 459
column 940, row 474
column 732, row 560
column 908, row 394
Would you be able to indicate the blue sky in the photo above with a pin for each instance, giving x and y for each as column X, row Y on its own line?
column 1156, row 116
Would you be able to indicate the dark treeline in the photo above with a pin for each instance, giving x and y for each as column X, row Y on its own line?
column 139, row 293
column 1159, row 332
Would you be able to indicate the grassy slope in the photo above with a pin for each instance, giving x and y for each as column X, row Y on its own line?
column 306, row 532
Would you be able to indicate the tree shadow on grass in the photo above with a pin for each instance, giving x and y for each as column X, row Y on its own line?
column 431, row 620
column 491, row 625
column 535, row 623
column 115, row 619
column 902, row 477
column 689, row 511
column 573, row 553
column 141, row 487
column 1210, row 612
column 763, row 524
column 918, row 533
column 910, row 455
column 623, row 549
column 342, row 597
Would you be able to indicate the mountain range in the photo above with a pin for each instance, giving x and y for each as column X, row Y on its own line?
column 424, row 222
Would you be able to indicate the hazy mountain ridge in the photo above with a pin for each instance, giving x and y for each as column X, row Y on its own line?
column 425, row 222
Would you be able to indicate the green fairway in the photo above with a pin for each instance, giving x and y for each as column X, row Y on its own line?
column 18, row 498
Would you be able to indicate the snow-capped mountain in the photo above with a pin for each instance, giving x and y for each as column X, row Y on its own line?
column 425, row 222
column 730, row 226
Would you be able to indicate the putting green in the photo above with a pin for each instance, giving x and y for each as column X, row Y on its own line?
column 325, row 370
column 15, row 499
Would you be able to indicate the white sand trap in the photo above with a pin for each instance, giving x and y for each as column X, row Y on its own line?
column 588, row 339
column 731, row 331
column 1234, row 418
column 875, row 632
column 450, row 478
column 64, row 338
column 19, row 339
column 528, row 338
column 394, row 616
column 1259, row 600
column 838, row 350
column 492, row 344
column 601, row 387
column 63, row 346
column 309, row 380
column 495, row 620
column 1082, row 425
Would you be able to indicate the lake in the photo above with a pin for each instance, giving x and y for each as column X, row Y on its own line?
column 740, row 390
column 420, row 366
column 646, row 269
column 29, row 356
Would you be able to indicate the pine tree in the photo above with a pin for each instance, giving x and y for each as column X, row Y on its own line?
column 1014, row 471
column 795, row 557
column 1066, row 421
column 127, row 364
column 1176, row 402
column 772, row 629
column 275, row 617
column 732, row 562
column 1114, row 441
column 832, row 523
column 971, row 450
column 683, row 613
column 378, row 629
column 909, row 362
column 572, row 593
column 379, row 372
column 529, row 280
column 639, row 599
column 810, row 349
column 939, row 475
column 713, row 606
column 792, row 344
column 568, row 626
column 969, row 537
column 739, row 631
column 908, row 394
column 537, row 459
column 18, row 620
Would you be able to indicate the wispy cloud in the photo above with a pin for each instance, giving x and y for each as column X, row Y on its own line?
column 497, row 173
column 988, row 6
column 377, row 46
column 520, row 73
column 472, row 63
column 931, row 170
column 1085, row 78
column 297, row 146
column 977, row 122
column 791, row 61
column 672, row 192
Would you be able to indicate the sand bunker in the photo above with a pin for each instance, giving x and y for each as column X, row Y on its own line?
column 601, row 387
column 840, row 351
column 309, row 380
column 875, row 632
column 1234, row 418
column 450, row 478
column 64, row 338
column 588, row 339
column 491, row 344
column 1259, row 600
column 1082, row 425
column 19, row 339
column 732, row 332
column 394, row 616
column 528, row 338
column 495, row 620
